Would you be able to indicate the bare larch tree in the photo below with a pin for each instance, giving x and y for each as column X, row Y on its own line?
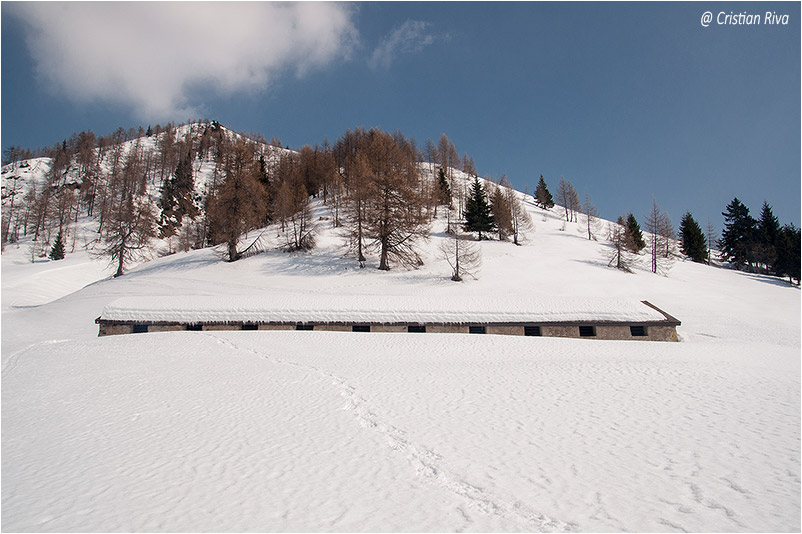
column 393, row 219
column 238, row 205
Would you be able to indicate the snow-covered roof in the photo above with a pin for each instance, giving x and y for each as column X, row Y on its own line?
column 378, row 309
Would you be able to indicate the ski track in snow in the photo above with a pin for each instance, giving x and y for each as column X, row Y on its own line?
column 427, row 463
column 13, row 361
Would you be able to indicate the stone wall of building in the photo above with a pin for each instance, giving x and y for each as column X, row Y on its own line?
column 604, row 331
column 447, row 329
column 333, row 328
column 559, row 331
column 107, row 329
column 612, row 332
column 166, row 327
column 662, row 333
column 505, row 330
column 388, row 328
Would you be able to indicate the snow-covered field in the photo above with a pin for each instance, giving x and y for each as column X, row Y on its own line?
column 299, row 431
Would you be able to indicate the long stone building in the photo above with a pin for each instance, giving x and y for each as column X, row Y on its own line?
column 570, row 318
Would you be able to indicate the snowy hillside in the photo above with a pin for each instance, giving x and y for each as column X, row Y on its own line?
column 326, row 431
column 21, row 181
column 35, row 170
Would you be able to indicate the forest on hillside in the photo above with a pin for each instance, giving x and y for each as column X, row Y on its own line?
column 201, row 185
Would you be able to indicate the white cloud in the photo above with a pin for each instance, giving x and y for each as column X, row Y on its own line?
column 150, row 55
column 412, row 36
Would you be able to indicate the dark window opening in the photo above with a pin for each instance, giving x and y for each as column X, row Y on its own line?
column 637, row 331
column 250, row 326
column 418, row 328
column 140, row 328
column 196, row 327
column 587, row 331
column 531, row 330
column 477, row 329
column 360, row 328
column 304, row 327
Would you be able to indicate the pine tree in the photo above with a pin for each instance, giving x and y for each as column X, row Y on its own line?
column 443, row 190
column 788, row 253
column 177, row 198
column 768, row 231
column 634, row 234
column 542, row 195
column 692, row 239
column 57, row 252
column 478, row 213
column 263, row 176
column 737, row 239
column 768, row 225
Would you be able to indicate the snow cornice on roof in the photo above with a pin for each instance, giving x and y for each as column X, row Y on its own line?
column 380, row 309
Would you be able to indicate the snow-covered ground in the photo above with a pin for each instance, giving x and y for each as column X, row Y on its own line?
column 266, row 431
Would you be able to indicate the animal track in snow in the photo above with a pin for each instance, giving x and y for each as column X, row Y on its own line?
column 427, row 463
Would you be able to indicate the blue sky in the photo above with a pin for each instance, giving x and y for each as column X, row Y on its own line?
column 625, row 100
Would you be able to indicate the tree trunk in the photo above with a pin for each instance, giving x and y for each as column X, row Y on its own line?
column 360, row 256
column 120, row 261
column 456, row 277
column 383, row 262
column 233, row 255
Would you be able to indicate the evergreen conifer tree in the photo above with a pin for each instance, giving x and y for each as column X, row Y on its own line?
column 264, row 179
column 57, row 251
column 768, row 232
column 738, row 237
column 788, row 253
column 768, row 225
column 634, row 233
column 444, row 190
column 478, row 213
column 692, row 239
column 542, row 195
column 177, row 197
